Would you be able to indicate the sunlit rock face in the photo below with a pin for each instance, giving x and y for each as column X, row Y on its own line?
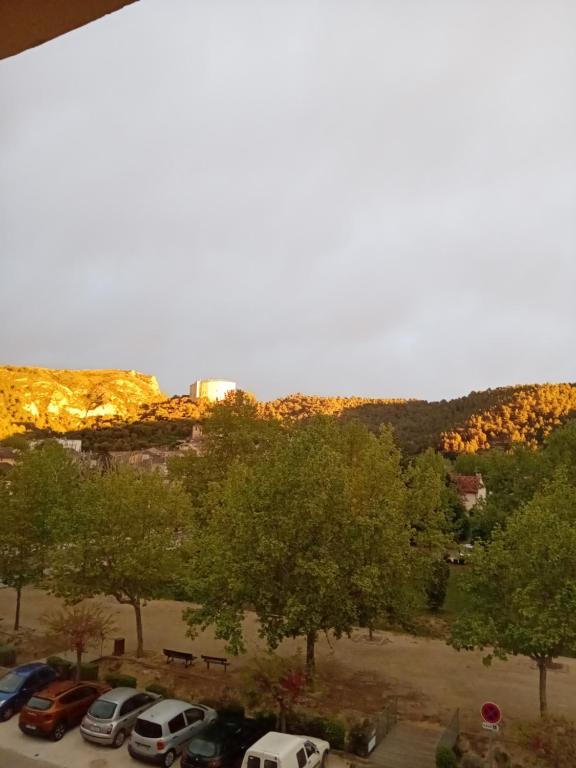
column 63, row 400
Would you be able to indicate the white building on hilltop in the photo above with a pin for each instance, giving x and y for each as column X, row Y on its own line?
column 211, row 389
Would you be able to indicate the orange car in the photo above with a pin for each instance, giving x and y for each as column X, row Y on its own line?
column 58, row 707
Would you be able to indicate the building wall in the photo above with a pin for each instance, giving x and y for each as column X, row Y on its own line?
column 211, row 389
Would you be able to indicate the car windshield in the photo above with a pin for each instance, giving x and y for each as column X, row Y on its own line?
column 11, row 683
column 38, row 703
column 203, row 748
column 102, row 709
column 147, row 729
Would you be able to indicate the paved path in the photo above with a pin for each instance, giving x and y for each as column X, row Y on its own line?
column 407, row 746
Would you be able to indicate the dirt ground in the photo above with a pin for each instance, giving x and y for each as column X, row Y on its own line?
column 357, row 675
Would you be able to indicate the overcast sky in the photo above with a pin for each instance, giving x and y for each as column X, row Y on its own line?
column 372, row 197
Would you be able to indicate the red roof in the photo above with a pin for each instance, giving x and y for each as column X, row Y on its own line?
column 468, row 483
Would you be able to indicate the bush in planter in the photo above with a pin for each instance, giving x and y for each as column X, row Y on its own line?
column 7, row 656
column 327, row 728
column 359, row 737
column 116, row 680
column 266, row 720
column 62, row 667
column 160, row 690
column 445, row 758
column 88, row 671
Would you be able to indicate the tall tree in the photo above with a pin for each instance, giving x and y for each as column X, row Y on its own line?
column 298, row 541
column 124, row 540
column 34, row 498
column 521, row 587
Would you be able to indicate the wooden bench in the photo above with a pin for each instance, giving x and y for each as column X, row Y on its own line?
column 215, row 660
column 187, row 658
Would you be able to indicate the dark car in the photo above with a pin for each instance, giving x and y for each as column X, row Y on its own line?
column 222, row 744
column 55, row 709
column 17, row 686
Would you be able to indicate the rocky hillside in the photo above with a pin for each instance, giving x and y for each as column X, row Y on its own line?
column 63, row 400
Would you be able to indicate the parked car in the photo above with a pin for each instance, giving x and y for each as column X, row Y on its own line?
column 60, row 706
column 222, row 744
column 283, row 750
column 111, row 718
column 161, row 733
column 17, row 686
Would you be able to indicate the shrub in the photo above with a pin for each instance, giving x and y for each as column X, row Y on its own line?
column 438, row 585
column 445, row 758
column 7, row 656
column 62, row 667
column 266, row 719
column 159, row 689
column 232, row 710
column 88, row 671
column 327, row 728
column 116, row 680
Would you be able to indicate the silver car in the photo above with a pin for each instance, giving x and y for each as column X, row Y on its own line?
column 111, row 718
column 161, row 733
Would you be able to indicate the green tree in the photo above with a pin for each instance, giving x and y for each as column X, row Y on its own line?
column 124, row 540
column 278, row 682
column 35, row 497
column 234, row 430
column 299, row 541
column 521, row 586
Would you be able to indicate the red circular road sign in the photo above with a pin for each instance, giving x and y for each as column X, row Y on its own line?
column 491, row 713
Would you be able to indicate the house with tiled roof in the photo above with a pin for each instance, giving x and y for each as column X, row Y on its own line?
column 471, row 489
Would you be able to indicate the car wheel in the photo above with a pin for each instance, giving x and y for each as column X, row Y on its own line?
column 169, row 758
column 6, row 713
column 119, row 739
column 58, row 731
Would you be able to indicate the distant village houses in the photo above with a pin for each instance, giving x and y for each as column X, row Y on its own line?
column 471, row 490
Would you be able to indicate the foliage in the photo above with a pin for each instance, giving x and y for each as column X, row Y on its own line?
column 552, row 739
column 359, row 736
column 87, row 672
column 438, row 585
column 116, row 680
column 330, row 729
column 445, row 758
column 123, row 540
column 63, row 667
column 35, row 496
column 277, row 682
column 311, row 535
column 7, row 655
column 521, row 586
column 77, row 626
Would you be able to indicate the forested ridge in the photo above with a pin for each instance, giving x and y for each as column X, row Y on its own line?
column 124, row 410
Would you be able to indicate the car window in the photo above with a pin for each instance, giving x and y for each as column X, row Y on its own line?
column 38, row 703
column 129, row 705
column 102, row 709
column 72, row 696
column 310, row 748
column 86, row 691
column 141, row 699
column 148, row 729
column 194, row 716
column 10, row 683
column 301, row 757
column 270, row 764
column 253, row 761
column 177, row 723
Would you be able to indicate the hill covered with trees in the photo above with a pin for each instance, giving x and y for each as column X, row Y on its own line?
column 125, row 410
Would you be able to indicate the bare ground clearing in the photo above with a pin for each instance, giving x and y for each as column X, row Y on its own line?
column 430, row 678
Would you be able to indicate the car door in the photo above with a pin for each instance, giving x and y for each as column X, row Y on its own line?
column 194, row 720
column 179, row 732
column 131, row 708
column 84, row 695
column 312, row 754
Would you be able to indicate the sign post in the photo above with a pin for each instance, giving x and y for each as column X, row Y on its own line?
column 491, row 716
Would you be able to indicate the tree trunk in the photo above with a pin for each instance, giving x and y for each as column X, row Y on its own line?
column 18, row 604
column 370, row 633
column 78, row 675
column 282, row 718
column 310, row 658
column 543, row 702
column 139, row 632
